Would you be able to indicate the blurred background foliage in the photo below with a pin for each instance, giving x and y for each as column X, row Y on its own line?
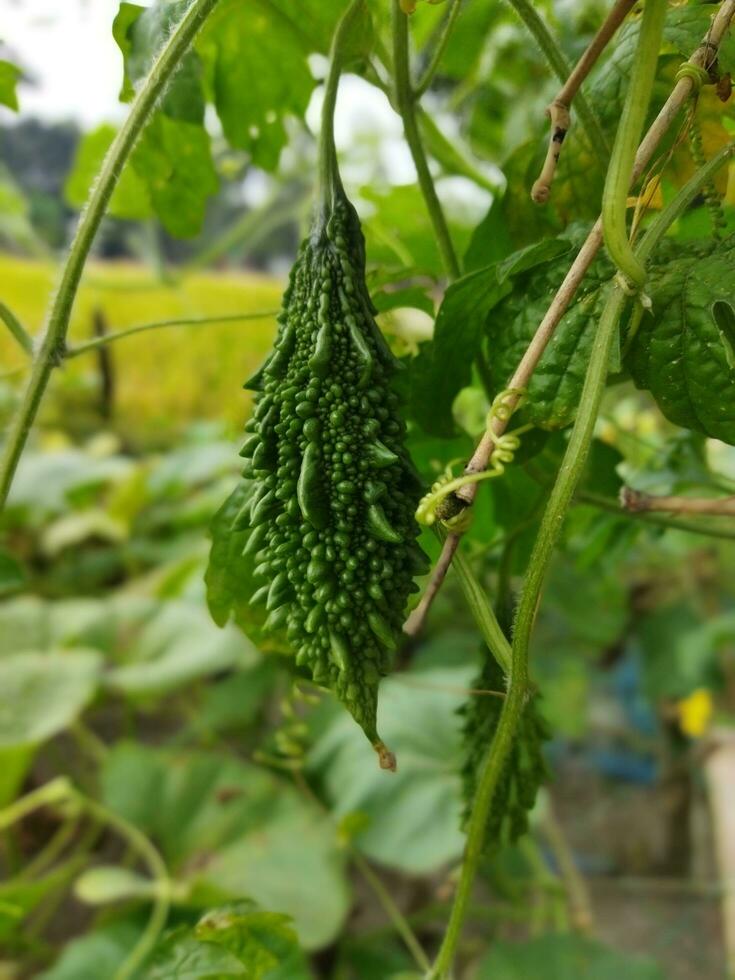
column 256, row 788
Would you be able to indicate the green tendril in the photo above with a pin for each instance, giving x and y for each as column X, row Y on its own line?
column 698, row 75
column 505, row 445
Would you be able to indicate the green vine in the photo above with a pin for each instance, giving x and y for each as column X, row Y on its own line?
column 405, row 99
column 560, row 498
column 627, row 138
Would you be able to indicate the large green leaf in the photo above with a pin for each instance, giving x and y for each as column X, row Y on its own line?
column 258, row 75
column 413, row 816
column 175, row 646
column 444, row 366
column 556, row 384
column 235, row 941
column 40, row 694
column 234, row 828
column 173, row 158
column 684, row 350
column 130, row 199
column 563, row 957
column 150, row 646
column 96, row 954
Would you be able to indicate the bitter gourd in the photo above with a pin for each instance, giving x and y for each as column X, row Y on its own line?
column 525, row 769
column 330, row 515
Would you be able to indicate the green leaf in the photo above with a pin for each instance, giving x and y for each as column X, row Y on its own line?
column 258, row 75
column 229, row 576
column 140, row 32
column 490, row 241
column 562, row 957
column 414, row 817
column 122, row 32
column 16, row 228
column 19, row 896
column 41, row 694
column 678, row 654
column 233, row 941
column 444, row 366
column 181, row 957
column 12, row 574
column 177, row 645
column 525, row 770
column 398, row 230
column 234, row 828
column 173, row 158
column 9, row 75
column 556, row 384
column 97, row 954
column 683, row 351
column 130, row 198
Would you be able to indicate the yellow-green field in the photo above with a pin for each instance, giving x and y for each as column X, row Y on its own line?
column 164, row 378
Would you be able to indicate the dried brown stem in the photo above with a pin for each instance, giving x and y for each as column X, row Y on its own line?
column 558, row 110
column 636, row 502
column 704, row 57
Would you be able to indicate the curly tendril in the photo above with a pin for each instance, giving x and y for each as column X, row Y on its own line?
column 698, row 75
column 505, row 445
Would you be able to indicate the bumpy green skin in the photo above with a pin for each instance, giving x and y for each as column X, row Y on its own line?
column 525, row 769
column 331, row 517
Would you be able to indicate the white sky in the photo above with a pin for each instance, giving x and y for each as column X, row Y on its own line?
column 67, row 49
column 66, row 46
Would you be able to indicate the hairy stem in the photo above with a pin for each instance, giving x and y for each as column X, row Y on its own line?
column 196, row 321
column 627, row 138
column 51, row 348
column 406, row 103
column 561, row 495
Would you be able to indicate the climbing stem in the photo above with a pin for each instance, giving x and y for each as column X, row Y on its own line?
column 627, row 138
column 561, row 495
column 51, row 347
column 405, row 100
column 560, row 498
